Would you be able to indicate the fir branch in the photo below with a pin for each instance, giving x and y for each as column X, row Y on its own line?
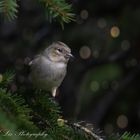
column 124, row 136
column 46, row 107
column 59, row 10
column 8, row 125
column 6, row 78
column 129, row 136
column 5, row 126
column 15, row 109
column 55, row 9
column 8, row 8
column 47, row 113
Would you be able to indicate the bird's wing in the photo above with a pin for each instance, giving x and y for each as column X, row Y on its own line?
column 34, row 60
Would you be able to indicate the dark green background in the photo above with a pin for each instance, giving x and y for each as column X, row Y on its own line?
column 104, row 88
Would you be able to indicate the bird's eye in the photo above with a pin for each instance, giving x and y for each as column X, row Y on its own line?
column 60, row 50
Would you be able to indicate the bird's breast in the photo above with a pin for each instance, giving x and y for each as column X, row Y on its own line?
column 54, row 70
column 47, row 74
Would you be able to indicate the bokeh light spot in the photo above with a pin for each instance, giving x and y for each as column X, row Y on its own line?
column 94, row 86
column 85, row 52
column 125, row 45
column 108, row 128
column 84, row 14
column 122, row 121
column 131, row 63
column 95, row 53
column 115, row 31
column 101, row 23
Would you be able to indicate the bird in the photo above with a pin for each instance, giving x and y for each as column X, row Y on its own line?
column 49, row 68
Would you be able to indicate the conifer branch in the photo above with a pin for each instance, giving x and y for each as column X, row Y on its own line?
column 8, row 8
column 14, row 106
column 124, row 136
column 129, row 136
column 6, row 78
column 45, row 117
column 59, row 10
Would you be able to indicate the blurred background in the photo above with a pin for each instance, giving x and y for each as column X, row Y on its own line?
column 102, row 86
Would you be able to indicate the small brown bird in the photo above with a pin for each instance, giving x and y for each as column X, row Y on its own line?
column 48, row 69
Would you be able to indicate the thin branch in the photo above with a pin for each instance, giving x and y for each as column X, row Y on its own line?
column 88, row 131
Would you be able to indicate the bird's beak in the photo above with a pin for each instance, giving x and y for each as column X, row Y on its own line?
column 69, row 55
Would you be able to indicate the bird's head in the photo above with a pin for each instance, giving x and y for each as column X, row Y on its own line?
column 58, row 52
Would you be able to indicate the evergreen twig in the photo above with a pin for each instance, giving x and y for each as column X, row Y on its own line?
column 55, row 9
column 8, row 8
column 59, row 10
column 129, row 136
column 45, row 117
